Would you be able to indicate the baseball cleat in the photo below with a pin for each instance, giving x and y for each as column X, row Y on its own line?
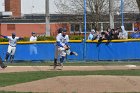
column 61, row 65
column 75, row 53
column 5, row 60
column 3, row 67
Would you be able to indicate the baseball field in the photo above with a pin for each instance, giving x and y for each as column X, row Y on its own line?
column 74, row 77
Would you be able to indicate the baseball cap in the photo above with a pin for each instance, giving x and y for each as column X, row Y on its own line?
column 92, row 30
column 64, row 30
column 33, row 32
column 13, row 34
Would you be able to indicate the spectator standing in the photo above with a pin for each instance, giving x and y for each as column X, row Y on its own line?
column 91, row 35
column 33, row 47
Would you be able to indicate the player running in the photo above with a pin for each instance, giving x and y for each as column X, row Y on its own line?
column 12, row 46
column 62, row 47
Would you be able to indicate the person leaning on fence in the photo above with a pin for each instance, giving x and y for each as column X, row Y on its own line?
column 91, row 35
column 122, row 33
column 135, row 34
column 97, row 35
column 33, row 46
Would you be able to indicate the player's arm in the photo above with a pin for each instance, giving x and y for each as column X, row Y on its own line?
column 58, row 40
column 59, row 44
column 67, row 40
column 4, row 36
column 19, row 38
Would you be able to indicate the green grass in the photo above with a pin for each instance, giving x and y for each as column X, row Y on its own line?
column 99, row 63
column 22, row 77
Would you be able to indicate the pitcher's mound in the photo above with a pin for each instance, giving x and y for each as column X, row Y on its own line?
column 80, row 84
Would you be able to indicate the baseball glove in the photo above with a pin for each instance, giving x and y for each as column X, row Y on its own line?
column 67, row 47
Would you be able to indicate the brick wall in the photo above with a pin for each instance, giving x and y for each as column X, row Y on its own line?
column 14, row 6
column 25, row 29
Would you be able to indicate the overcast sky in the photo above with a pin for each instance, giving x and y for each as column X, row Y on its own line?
column 38, row 6
column 33, row 6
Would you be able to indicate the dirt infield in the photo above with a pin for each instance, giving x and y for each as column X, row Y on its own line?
column 76, row 84
column 65, row 68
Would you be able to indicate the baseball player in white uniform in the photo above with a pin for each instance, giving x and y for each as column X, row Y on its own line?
column 12, row 46
column 33, row 48
column 56, row 54
column 62, row 40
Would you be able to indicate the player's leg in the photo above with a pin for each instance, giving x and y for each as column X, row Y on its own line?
column 69, row 52
column 73, row 53
column 11, row 58
column 62, row 56
column 62, row 61
column 55, row 56
column 12, row 54
column 2, row 64
column 8, row 53
column 7, row 56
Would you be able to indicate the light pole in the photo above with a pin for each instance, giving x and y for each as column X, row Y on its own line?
column 47, row 17
column 122, row 9
column 85, row 20
column 111, row 13
column 85, row 32
column 125, row 34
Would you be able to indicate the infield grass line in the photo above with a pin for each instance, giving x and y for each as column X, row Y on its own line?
column 74, row 63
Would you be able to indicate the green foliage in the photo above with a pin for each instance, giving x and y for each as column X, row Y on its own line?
column 72, row 37
column 25, row 39
column 43, row 38
column 50, row 38
column 75, row 37
column 3, row 40
column 6, row 40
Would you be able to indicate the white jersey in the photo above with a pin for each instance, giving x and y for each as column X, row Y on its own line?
column 62, row 39
column 12, row 42
column 33, row 38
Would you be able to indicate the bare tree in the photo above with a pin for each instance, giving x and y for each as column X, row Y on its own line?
column 95, row 8
column 138, row 2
